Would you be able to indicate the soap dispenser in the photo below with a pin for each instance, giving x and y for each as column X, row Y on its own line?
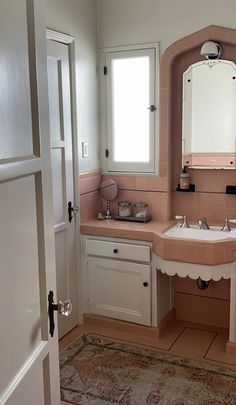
column 184, row 179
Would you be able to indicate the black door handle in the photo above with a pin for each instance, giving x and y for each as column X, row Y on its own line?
column 64, row 308
column 51, row 308
column 72, row 211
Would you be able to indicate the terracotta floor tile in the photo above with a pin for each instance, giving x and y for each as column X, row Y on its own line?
column 217, row 351
column 193, row 343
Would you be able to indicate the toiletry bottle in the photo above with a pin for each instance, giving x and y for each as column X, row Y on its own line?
column 184, row 179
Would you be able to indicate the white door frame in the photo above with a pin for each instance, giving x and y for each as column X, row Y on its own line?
column 70, row 41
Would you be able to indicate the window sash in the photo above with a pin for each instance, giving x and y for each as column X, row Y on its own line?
column 139, row 166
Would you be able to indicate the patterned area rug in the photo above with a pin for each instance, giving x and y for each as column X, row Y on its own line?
column 96, row 371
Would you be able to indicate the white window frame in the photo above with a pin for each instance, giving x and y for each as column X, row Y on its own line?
column 108, row 163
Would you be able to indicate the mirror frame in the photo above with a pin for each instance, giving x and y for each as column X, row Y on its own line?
column 207, row 120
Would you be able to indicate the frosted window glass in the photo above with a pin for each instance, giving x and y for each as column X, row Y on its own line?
column 130, row 89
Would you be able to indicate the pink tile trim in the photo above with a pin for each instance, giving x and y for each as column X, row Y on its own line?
column 89, row 181
column 90, row 174
column 210, row 159
column 120, row 326
column 231, row 348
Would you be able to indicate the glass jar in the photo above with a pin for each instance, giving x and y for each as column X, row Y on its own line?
column 124, row 208
column 141, row 210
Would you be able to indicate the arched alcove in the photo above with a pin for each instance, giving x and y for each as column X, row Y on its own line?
column 174, row 62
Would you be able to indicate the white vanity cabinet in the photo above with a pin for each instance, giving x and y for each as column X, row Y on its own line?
column 118, row 279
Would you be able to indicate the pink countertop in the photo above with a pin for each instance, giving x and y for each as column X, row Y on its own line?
column 184, row 250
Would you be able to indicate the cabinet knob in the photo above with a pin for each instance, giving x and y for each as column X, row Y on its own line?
column 145, row 283
column 115, row 250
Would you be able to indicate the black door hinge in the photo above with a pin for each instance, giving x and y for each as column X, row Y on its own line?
column 105, row 70
column 106, row 153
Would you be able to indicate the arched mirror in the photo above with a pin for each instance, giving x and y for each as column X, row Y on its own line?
column 209, row 115
column 109, row 192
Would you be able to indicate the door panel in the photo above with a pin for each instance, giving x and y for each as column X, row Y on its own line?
column 55, row 94
column 21, row 320
column 61, row 265
column 29, row 357
column 63, row 178
column 15, row 82
column 59, row 186
column 32, row 387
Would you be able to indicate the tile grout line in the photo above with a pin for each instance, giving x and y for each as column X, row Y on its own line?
column 216, row 334
column 203, row 296
column 175, row 340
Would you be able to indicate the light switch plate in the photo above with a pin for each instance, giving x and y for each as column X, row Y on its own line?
column 84, row 149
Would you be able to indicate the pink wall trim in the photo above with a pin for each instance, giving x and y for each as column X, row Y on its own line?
column 122, row 326
column 89, row 181
column 231, row 348
column 210, row 159
column 90, row 198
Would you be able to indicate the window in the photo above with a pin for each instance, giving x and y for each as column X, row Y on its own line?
column 129, row 99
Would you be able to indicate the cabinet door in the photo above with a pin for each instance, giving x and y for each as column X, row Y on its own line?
column 120, row 290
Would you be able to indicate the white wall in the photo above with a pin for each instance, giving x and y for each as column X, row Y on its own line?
column 78, row 18
column 123, row 22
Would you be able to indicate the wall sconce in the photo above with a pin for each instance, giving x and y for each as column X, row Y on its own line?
column 211, row 50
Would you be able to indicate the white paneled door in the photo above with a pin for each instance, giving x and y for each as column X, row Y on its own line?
column 63, row 179
column 29, row 372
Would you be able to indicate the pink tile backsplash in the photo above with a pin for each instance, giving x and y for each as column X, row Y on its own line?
column 216, row 207
column 157, row 202
column 90, row 204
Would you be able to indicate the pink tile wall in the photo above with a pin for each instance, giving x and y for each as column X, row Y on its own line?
column 219, row 289
column 210, row 199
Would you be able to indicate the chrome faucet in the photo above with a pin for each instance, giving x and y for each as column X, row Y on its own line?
column 184, row 223
column 226, row 227
column 203, row 223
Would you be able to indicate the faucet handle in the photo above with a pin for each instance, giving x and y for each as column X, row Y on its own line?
column 178, row 216
column 232, row 220
column 184, row 221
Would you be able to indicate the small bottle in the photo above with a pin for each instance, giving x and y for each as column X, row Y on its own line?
column 184, row 179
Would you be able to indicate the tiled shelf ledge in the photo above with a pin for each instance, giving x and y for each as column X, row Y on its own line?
column 230, row 189
column 191, row 188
